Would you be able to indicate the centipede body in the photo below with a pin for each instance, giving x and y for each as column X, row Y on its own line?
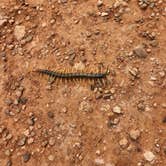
column 76, row 75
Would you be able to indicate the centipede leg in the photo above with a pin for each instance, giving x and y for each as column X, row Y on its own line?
column 51, row 79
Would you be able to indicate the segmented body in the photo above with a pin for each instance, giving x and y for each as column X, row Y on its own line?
column 55, row 74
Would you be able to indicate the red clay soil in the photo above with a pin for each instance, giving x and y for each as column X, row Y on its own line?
column 118, row 122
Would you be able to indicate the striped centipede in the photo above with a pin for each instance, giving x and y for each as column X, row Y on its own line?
column 76, row 75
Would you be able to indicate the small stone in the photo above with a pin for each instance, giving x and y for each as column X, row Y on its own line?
column 19, row 31
column 154, row 43
column 162, row 74
column 141, row 105
column 117, row 110
column 123, row 143
column 18, row 93
column 51, row 141
column 140, row 51
column 104, row 14
column 98, row 152
column 134, row 72
column 135, row 134
column 30, row 140
column 9, row 136
column 113, row 121
column 99, row 161
column 51, row 158
column 149, row 156
column 22, row 141
column 3, row 20
column 44, row 143
column 7, row 152
column 52, row 21
column 31, row 121
column 99, row 3
column 26, row 156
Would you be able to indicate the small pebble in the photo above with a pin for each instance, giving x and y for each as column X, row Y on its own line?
column 99, row 3
column 51, row 158
column 117, row 110
column 104, row 14
column 30, row 140
column 22, row 141
column 51, row 141
column 7, row 152
column 19, row 31
column 123, row 143
column 135, row 134
column 140, row 51
column 149, row 156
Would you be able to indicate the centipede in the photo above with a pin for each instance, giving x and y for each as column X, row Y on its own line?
column 75, row 75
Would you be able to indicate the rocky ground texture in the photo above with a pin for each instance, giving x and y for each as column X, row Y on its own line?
column 75, row 123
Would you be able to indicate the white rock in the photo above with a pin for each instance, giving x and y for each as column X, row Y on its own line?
column 19, row 31
column 117, row 110
column 149, row 156
column 134, row 134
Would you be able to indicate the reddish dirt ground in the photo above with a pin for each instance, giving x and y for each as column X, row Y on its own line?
column 74, row 123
